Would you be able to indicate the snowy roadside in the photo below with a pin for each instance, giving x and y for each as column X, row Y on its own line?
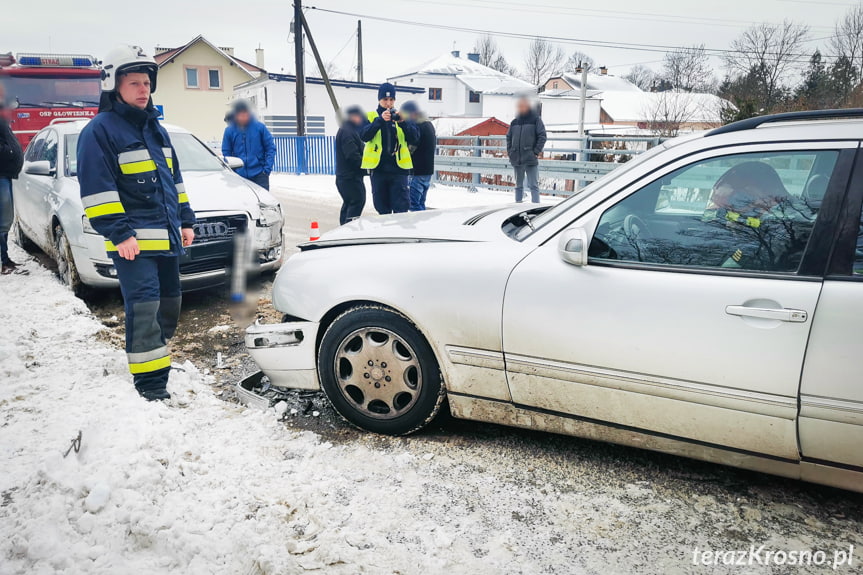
column 440, row 196
column 214, row 488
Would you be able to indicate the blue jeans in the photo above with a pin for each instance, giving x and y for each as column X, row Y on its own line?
column 419, row 191
column 7, row 215
column 262, row 179
column 532, row 173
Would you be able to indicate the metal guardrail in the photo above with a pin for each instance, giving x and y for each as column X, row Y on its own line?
column 563, row 169
column 481, row 162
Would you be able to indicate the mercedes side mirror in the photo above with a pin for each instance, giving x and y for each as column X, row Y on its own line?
column 572, row 245
column 234, row 163
column 39, row 168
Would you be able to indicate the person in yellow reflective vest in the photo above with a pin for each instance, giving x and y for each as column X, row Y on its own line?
column 386, row 154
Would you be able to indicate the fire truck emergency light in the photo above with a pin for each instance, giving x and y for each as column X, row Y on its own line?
column 55, row 60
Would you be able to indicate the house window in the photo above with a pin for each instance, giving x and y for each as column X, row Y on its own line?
column 214, row 75
column 473, row 97
column 192, row 78
column 435, row 94
column 554, row 85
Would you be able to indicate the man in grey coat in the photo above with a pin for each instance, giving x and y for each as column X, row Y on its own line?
column 525, row 140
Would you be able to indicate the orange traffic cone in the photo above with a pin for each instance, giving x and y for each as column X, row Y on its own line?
column 315, row 233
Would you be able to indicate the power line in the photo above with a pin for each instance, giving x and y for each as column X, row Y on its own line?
column 597, row 13
column 638, row 47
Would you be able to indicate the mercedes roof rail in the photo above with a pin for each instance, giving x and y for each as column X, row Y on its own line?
column 752, row 123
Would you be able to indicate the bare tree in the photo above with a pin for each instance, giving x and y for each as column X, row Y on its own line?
column 770, row 52
column 642, row 76
column 666, row 113
column 542, row 60
column 578, row 59
column 847, row 40
column 491, row 55
column 688, row 69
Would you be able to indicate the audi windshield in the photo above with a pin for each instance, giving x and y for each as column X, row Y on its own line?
column 193, row 155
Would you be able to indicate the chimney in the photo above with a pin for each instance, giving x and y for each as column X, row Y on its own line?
column 227, row 50
column 473, row 57
column 259, row 58
column 603, row 71
column 456, row 54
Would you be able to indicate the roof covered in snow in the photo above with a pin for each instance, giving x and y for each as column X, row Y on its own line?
column 453, row 126
column 627, row 106
column 601, row 82
column 474, row 75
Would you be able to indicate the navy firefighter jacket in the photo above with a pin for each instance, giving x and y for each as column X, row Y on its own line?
column 130, row 181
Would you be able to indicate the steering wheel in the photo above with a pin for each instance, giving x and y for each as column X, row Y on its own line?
column 634, row 228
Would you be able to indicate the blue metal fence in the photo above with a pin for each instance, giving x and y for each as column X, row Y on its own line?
column 305, row 154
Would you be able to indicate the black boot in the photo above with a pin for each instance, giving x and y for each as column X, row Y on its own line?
column 155, row 394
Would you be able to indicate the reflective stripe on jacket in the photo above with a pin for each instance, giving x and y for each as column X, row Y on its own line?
column 374, row 147
column 131, row 183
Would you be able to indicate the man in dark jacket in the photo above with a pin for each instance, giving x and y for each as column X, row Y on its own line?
column 387, row 136
column 349, row 171
column 11, row 160
column 525, row 140
column 133, row 195
column 250, row 140
column 423, row 156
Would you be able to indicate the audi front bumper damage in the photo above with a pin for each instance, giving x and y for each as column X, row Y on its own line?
column 285, row 352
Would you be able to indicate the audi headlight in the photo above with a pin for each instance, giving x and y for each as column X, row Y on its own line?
column 88, row 229
column 271, row 215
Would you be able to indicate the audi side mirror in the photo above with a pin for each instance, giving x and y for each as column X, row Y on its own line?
column 39, row 168
column 572, row 246
column 234, row 163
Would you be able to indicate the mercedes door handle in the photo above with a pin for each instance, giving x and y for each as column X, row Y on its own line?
column 784, row 314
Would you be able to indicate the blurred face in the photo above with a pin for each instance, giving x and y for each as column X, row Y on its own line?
column 242, row 118
column 134, row 89
column 388, row 103
column 522, row 107
column 356, row 119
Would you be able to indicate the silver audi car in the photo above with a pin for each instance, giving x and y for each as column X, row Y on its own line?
column 704, row 299
column 50, row 213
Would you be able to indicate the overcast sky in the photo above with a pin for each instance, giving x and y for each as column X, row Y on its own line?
column 87, row 26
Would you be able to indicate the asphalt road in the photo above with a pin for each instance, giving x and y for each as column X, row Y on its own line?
column 729, row 508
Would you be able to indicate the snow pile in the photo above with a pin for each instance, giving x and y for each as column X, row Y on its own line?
column 203, row 487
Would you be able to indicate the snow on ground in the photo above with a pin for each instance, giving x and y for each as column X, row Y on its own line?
column 439, row 197
column 204, row 486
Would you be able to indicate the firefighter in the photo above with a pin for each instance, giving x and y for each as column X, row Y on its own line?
column 133, row 195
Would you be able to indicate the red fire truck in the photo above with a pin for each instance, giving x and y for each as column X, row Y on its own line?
column 44, row 88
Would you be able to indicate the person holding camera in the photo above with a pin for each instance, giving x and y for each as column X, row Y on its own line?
column 388, row 136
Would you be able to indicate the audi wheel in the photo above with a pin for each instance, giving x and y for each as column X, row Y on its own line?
column 379, row 372
column 66, row 269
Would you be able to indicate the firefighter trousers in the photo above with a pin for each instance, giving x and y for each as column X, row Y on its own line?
column 151, row 296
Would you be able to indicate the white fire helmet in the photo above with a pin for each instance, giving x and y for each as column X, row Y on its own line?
column 126, row 59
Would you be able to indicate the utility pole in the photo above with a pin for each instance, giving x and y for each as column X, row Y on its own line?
column 582, row 109
column 300, row 71
column 583, row 103
column 359, row 50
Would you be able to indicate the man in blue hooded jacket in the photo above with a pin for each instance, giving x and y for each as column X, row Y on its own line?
column 250, row 140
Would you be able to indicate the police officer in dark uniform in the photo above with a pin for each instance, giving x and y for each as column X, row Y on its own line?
column 133, row 195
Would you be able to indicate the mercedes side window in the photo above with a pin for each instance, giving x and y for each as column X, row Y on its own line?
column 752, row 212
